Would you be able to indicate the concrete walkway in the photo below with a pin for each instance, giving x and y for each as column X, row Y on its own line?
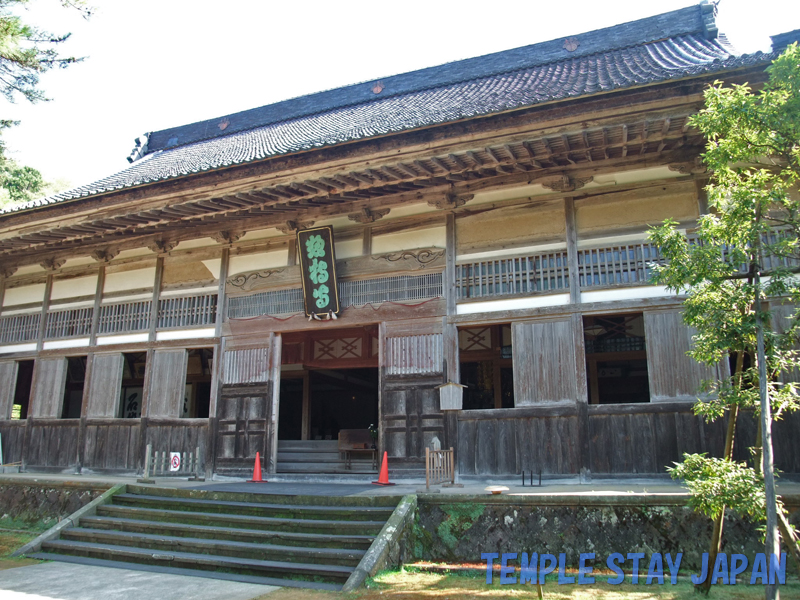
column 64, row 581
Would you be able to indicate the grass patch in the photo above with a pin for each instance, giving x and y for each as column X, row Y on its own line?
column 408, row 584
column 15, row 533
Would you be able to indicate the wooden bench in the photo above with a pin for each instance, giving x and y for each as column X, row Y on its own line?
column 356, row 440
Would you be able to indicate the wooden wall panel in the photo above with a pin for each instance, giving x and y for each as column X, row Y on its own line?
column 49, row 379
column 105, row 385
column 544, row 363
column 249, row 365
column 53, row 443
column 414, row 355
column 673, row 375
column 508, row 441
column 8, row 385
column 112, row 444
column 167, row 383
column 13, row 435
column 178, row 435
column 410, row 416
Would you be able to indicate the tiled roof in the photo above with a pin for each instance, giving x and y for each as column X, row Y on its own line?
column 674, row 45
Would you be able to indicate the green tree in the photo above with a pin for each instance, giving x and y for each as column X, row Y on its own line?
column 752, row 232
column 25, row 53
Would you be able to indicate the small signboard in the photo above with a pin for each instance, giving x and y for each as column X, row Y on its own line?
column 174, row 461
column 318, row 268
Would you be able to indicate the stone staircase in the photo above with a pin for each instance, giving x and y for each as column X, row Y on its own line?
column 319, row 456
column 294, row 541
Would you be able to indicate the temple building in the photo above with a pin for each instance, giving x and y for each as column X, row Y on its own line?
column 267, row 280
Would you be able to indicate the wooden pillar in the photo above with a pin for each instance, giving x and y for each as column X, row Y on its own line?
column 2, row 291
column 450, row 264
column 222, row 298
column 272, row 425
column 366, row 242
column 702, row 197
column 98, row 301
column 451, row 372
column 48, row 289
column 305, row 433
column 156, row 296
column 292, row 254
column 572, row 250
column 582, row 399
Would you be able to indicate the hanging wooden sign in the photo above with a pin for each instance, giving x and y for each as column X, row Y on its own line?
column 318, row 269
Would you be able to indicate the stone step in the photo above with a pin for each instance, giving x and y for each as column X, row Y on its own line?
column 285, row 511
column 243, row 521
column 297, row 456
column 97, row 562
column 301, row 467
column 282, row 538
column 189, row 560
column 318, row 445
column 216, row 547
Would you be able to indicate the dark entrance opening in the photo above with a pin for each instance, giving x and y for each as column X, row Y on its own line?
column 342, row 399
column 616, row 359
column 22, row 391
column 73, row 390
column 290, row 412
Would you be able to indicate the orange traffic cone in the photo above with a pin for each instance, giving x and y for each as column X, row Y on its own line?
column 383, row 479
column 257, row 471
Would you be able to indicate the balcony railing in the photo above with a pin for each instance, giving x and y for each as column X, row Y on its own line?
column 617, row 265
column 19, row 328
column 516, row 275
column 124, row 317
column 187, row 311
column 71, row 322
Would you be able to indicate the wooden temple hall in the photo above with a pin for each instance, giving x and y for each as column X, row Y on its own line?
column 281, row 279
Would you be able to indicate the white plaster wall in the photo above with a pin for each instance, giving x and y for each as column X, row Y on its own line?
column 409, row 240
column 70, row 288
column 213, row 265
column 130, row 280
column 348, row 248
column 29, row 270
column 25, row 294
column 254, row 262
column 198, row 243
column 134, row 252
column 260, row 234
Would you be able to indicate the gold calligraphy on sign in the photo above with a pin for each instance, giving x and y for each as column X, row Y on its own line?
column 318, row 270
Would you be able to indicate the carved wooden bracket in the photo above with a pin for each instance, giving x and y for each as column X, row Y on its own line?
column 450, row 201
column 227, row 237
column 8, row 271
column 368, row 215
column 564, row 183
column 689, row 168
column 52, row 264
column 414, row 259
column 105, row 255
column 294, row 226
column 162, row 246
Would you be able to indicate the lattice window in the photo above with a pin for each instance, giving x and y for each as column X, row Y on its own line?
column 124, row 317
column 187, row 311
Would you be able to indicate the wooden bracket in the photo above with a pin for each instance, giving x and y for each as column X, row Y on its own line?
column 104, row 255
column 368, row 215
column 294, row 226
column 52, row 264
column 450, row 201
column 227, row 237
column 565, row 183
column 162, row 246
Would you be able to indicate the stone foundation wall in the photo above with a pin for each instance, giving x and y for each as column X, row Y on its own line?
column 43, row 500
column 461, row 531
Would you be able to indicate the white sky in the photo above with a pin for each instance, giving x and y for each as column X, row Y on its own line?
column 153, row 64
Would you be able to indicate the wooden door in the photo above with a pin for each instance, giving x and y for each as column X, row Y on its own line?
column 8, row 386
column 545, row 363
column 243, row 423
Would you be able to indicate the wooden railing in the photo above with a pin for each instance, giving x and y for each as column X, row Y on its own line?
column 515, row 275
column 617, row 265
column 67, row 323
column 187, row 311
column 124, row 317
column 439, row 467
column 19, row 328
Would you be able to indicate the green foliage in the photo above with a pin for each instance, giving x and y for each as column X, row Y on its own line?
column 26, row 51
column 715, row 483
column 459, row 518
column 753, row 231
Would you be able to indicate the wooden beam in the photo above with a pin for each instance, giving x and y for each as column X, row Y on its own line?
column 159, row 276
column 450, row 264
column 98, row 300
column 572, row 250
column 48, row 290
